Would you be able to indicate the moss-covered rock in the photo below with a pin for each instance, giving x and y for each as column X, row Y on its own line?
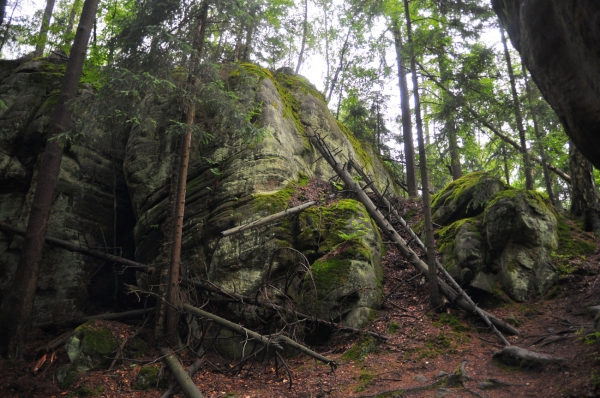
column 501, row 240
column 91, row 346
column 151, row 376
column 465, row 197
column 345, row 283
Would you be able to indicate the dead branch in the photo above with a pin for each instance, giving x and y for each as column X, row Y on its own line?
column 271, row 340
column 205, row 285
column 183, row 379
column 105, row 317
column 191, row 370
column 72, row 247
column 393, row 235
column 268, row 219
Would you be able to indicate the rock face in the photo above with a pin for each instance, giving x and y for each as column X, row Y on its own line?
column 90, row 196
column 558, row 42
column 232, row 181
column 504, row 241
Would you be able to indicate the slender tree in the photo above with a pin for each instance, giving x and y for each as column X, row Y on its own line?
column 434, row 290
column 407, row 138
column 527, row 169
column 2, row 11
column 43, row 36
column 304, row 34
column 584, row 195
column 172, row 296
column 17, row 305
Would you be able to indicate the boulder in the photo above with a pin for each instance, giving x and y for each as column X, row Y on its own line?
column 507, row 244
column 91, row 346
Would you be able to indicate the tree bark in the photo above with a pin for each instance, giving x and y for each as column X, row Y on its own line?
column 339, row 69
column 538, row 136
column 186, row 384
column 2, row 11
column 527, row 169
column 304, row 33
column 17, row 305
column 172, row 295
column 584, row 195
column 43, row 35
column 407, row 138
column 434, row 290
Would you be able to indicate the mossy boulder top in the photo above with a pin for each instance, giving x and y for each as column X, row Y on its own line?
column 504, row 241
column 465, row 197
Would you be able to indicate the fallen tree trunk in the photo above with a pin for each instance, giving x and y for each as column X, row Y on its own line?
column 389, row 230
column 183, row 379
column 72, row 247
column 105, row 317
column 420, row 243
column 205, row 285
column 268, row 219
column 271, row 340
column 191, row 370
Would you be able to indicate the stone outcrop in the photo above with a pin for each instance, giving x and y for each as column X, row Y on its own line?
column 558, row 42
column 232, row 181
column 504, row 241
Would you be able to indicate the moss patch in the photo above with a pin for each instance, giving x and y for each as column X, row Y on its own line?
column 573, row 244
column 361, row 349
column 453, row 322
column 365, row 159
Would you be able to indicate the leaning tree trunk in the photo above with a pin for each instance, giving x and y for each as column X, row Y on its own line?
column 434, row 290
column 172, row 296
column 409, row 149
column 43, row 36
column 584, row 195
column 513, row 88
column 17, row 305
column 304, row 34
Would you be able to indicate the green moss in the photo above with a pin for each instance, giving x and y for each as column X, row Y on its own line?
column 513, row 320
column 274, row 202
column 283, row 85
column 303, row 179
column 99, row 341
column 365, row 159
column 458, row 187
column 364, row 380
column 453, row 322
column 571, row 248
column 150, row 377
column 393, row 328
column 361, row 349
column 446, row 236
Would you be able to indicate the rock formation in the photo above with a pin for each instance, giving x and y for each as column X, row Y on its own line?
column 558, row 41
column 496, row 237
column 232, row 181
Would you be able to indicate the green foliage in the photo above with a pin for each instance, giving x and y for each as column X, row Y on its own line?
column 453, row 322
column 361, row 349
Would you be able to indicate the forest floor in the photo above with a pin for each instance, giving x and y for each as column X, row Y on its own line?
column 422, row 349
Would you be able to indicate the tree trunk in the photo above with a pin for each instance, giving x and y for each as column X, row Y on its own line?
column 43, row 36
column 2, row 11
column 341, row 65
column 73, row 15
column 434, row 290
column 17, row 305
column 304, row 33
column 247, row 48
column 172, row 295
column 527, row 169
column 584, row 195
column 538, row 136
column 409, row 149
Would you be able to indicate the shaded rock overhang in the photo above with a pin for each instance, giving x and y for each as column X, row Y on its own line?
column 559, row 42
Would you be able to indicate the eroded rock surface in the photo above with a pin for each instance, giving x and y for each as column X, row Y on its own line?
column 505, row 241
column 558, row 41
